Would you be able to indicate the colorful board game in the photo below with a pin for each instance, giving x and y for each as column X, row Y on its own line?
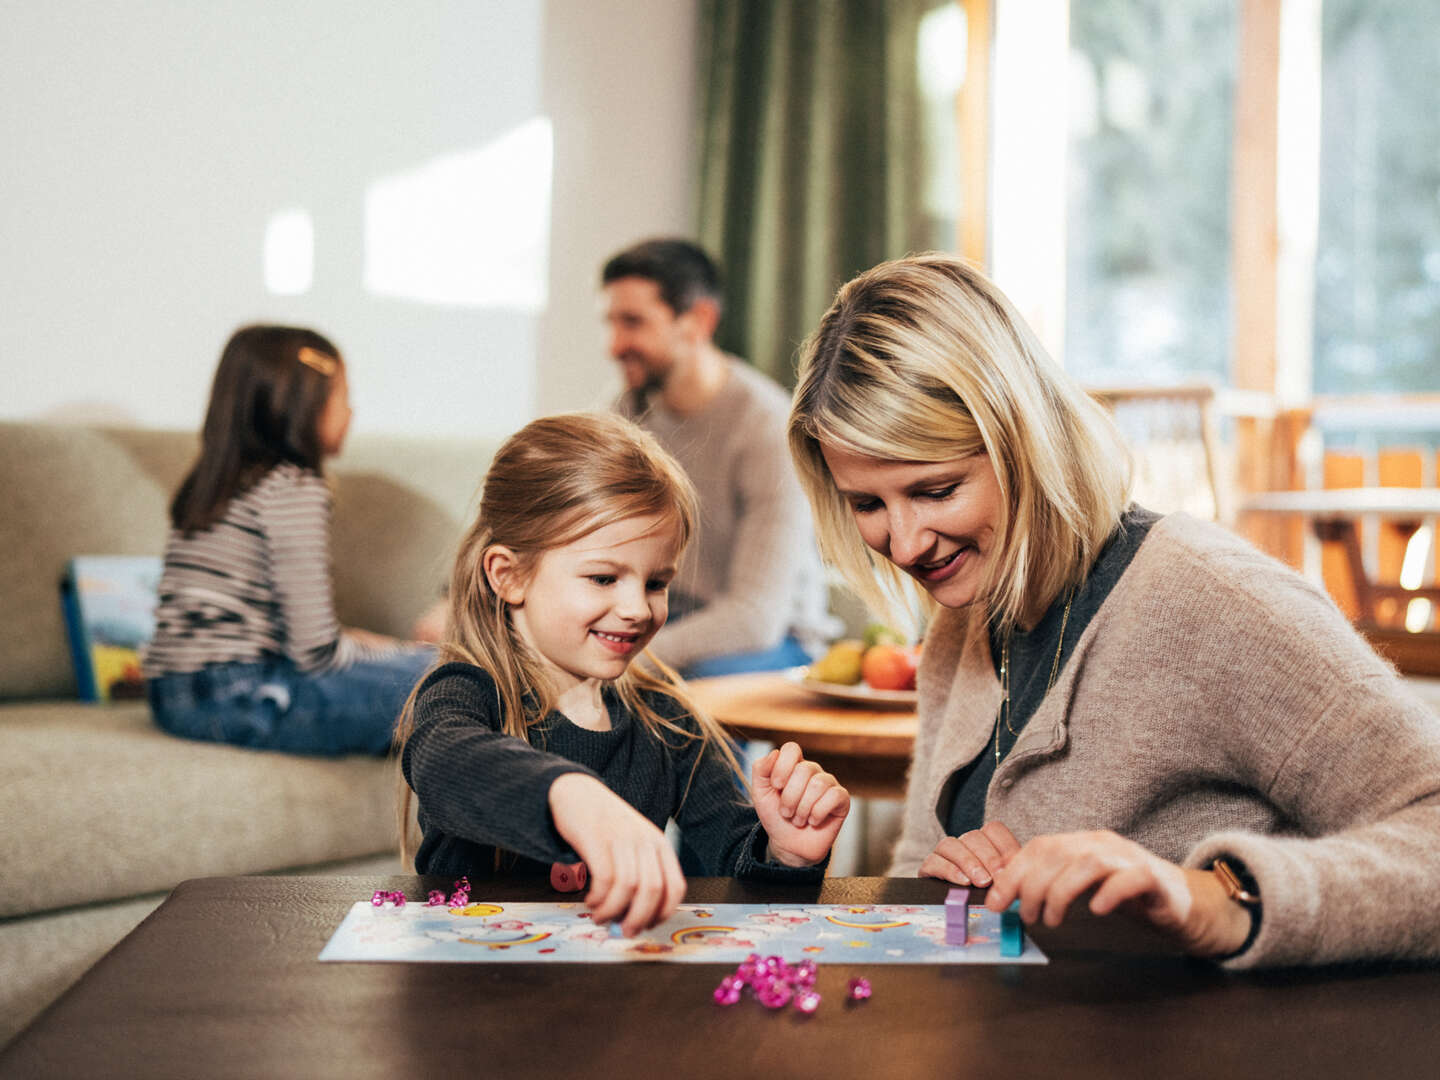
column 533, row 932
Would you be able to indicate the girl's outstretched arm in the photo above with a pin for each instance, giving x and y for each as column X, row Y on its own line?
column 634, row 874
column 800, row 806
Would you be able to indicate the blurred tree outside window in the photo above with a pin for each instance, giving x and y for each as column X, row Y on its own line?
column 1151, row 101
column 1377, row 274
column 940, row 56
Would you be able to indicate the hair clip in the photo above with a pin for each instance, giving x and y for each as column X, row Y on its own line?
column 318, row 361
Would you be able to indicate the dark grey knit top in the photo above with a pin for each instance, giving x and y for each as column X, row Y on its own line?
column 482, row 792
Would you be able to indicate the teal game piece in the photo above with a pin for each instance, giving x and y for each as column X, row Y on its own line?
column 1012, row 931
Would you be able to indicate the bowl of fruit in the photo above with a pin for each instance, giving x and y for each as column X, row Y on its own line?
column 878, row 670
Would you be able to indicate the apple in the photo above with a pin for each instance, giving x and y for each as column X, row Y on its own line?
column 889, row 667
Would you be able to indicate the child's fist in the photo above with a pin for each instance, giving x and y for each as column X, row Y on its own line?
column 800, row 806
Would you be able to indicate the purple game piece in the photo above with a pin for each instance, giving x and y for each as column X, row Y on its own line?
column 957, row 916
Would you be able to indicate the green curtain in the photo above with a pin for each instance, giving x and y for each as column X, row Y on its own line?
column 810, row 158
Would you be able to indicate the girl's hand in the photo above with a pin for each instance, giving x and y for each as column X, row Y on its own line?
column 371, row 639
column 432, row 623
column 800, row 807
column 973, row 858
column 634, row 874
column 1049, row 872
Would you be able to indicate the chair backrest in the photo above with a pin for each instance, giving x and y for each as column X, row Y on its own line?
column 1173, row 433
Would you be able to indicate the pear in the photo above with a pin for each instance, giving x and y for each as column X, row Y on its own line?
column 841, row 664
column 880, row 634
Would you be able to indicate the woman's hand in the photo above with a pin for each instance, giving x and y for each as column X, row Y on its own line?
column 1049, row 872
column 800, row 806
column 971, row 858
column 634, row 874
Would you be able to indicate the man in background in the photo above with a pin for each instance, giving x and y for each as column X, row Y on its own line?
column 750, row 594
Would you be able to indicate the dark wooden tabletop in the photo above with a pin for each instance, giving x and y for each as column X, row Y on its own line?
column 222, row 980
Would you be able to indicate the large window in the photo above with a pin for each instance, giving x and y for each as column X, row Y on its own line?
column 1249, row 191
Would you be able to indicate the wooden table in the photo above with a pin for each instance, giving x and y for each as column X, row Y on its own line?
column 222, row 981
column 867, row 748
column 1334, row 515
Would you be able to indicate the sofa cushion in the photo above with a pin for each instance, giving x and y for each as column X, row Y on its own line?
column 71, row 491
column 100, row 804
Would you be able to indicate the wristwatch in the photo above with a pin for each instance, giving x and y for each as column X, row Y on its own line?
column 1237, row 882
column 1241, row 887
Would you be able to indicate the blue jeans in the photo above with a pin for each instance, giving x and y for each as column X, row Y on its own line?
column 787, row 654
column 269, row 705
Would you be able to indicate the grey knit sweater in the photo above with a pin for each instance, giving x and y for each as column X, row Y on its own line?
column 1217, row 703
column 753, row 573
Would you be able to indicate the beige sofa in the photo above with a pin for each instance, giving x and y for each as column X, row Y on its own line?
column 102, row 813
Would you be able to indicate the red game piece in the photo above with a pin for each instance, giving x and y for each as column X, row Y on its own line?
column 568, row 877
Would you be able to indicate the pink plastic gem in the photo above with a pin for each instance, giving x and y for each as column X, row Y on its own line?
column 463, row 885
column 436, row 898
column 858, row 989
column 378, row 899
column 726, row 995
column 459, row 898
column 776, row 996
column 397, row 898
column 807, row 1001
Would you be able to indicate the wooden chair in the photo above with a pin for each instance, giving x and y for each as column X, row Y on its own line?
column 1173, row 432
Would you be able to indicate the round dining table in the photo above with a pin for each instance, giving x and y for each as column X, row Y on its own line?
column 865, row 741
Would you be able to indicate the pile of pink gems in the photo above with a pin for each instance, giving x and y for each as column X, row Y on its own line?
column 457, row 899
column 776, row 984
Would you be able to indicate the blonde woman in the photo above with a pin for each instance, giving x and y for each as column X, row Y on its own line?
column 1110, row 700
column 538, row 740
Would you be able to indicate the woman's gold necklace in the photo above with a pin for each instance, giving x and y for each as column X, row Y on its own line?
column 1004, row 711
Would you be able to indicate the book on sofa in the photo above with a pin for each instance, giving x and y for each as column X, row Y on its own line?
column 109, row 606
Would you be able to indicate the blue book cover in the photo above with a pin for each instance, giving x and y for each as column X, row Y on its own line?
column 109, row 607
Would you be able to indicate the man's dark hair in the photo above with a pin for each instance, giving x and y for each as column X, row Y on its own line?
column 682, row 270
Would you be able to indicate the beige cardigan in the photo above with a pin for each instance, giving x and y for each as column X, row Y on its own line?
column 1216, row 703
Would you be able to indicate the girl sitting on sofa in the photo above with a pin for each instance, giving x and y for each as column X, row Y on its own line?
column 247, row 648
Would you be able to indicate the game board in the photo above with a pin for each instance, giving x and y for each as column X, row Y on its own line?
column 532, row 932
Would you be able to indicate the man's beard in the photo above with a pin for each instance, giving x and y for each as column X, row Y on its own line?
column 654, row 380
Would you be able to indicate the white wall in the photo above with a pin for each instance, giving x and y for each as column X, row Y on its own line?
column 147, row 145
column 619, row 89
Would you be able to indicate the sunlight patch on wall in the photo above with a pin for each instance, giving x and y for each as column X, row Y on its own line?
column 289, row 253
column 470, row 229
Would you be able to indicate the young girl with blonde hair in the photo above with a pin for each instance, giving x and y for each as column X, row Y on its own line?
column 538, row 740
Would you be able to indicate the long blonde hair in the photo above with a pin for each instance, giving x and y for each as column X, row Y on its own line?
column 554, row 481
column 923, row 359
